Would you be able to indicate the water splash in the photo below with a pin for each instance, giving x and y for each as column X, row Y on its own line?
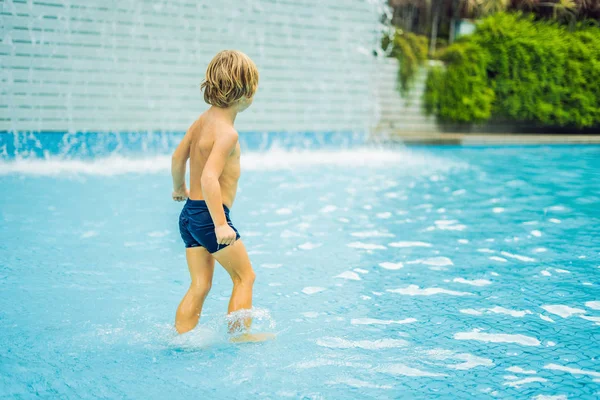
column 411, row 161
column 261, row 319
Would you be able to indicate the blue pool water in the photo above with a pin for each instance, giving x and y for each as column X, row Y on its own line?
column 457, row 272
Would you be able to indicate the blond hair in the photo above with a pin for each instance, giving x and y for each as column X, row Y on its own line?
column 230, row 76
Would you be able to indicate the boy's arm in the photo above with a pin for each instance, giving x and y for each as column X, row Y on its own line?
column 222, row 148
column 178, row 163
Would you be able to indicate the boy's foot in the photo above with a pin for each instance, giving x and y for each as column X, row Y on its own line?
column 252, row 337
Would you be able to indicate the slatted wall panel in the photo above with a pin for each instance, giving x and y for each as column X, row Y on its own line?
column 132, row 65
column 396, row 113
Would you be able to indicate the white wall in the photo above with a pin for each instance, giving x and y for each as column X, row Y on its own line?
column 397, row 114
column 131, row 65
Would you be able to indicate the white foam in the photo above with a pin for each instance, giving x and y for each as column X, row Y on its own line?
column 593, row 319
column 366, row 246
column 159, row 233
column 384, row 215
column 517, row 257
column 463, row 241
column 445, row 222
column 525, row 381
column 546, row 273
column 485, row 250
column 328, row 209
column 574, row 371
column 536, row 233
column 475, row 282
column 422, row 206
column 404, row 370
column 350, row 275
column 369, row 234
column 312, row 289
column 288, row 234
column 471, row 311
column 498, row 210
column 322, row 362
column 106, row 166
column 357, row 383
column 519, row 370
column 271, row 266
column 497, row 338
column 512, row 313
column 459, row 192
column 550, row 397
column 557, row 208
column 594, row 305
column 340, row 343
column 309, row 246
column 88, row 234
column 499, row 259
column 373, row 321
column 251, row 252
column 561, row 271
column 554, row 220
column 273, row 159
column 546, row 318
column 414, row 290
column 540, row 250
column 361, row 271
column 496, row 310
column 391, row 265
column 470, row 361
column 278, row 223
column 436, row 261
column 409, row 244
column 563, row 311
column 310, row 314
column 283, row 211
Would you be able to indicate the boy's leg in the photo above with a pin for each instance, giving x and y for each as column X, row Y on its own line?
column 201, row 265
column 234, row 259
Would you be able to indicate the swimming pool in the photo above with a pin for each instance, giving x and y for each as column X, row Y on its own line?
column 433, row 272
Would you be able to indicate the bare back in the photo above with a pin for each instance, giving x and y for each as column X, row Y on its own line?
column 203, row 134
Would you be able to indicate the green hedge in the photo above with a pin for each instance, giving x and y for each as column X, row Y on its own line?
column 519, row 69
column 411, row 52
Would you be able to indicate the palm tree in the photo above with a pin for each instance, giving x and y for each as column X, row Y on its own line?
column 474, row 8
column 482, row 8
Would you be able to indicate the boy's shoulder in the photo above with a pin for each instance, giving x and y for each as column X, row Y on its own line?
column 221, row 127
column 225, row 130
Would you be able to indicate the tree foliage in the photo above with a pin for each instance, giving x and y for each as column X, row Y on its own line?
column 411, row 52
column 520, row 69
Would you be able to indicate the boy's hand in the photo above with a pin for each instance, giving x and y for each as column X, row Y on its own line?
column 225, row 234
column 181, row 194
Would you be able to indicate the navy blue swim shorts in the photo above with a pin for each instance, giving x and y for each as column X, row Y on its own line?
column 197, row 228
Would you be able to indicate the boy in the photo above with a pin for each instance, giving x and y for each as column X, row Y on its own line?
column 211, row 144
